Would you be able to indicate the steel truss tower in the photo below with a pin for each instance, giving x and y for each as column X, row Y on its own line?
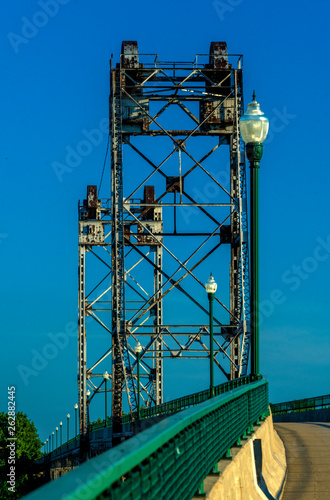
column 177, row 209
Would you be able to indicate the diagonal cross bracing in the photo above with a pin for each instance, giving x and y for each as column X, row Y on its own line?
column 177, row 221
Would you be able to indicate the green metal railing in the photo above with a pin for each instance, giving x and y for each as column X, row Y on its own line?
column 301, row 405
column 172, row 406
column 170, row 459
column 178, row 404
column 71, row 444
column 187, row 401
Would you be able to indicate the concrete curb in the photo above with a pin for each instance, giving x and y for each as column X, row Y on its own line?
column 257, row 470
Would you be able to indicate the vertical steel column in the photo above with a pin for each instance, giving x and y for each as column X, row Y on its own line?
column 81, row 343
column 138, row 383
column 117, row 255
column 235, row 296
column 244, row 272
column 158, row 321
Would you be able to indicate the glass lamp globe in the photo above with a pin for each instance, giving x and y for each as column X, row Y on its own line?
column 253, row 124
column 138, row 348
column 211, row 286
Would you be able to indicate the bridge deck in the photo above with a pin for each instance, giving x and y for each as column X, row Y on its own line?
column 307, row 448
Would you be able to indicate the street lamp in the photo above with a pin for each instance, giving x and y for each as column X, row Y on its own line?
column 47, row 445
column 61, row 423
column 138, row 349
column 106, row 376
column 53, row 440
column 254, row 128
column 56, row 437
column 88, row 393
column 68, row 421
column 211, row 288
column 76, row 417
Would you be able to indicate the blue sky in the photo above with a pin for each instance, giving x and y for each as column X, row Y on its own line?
column 55, row 86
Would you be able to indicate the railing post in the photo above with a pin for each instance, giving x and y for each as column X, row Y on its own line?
column 200, row 490
column 215, row 469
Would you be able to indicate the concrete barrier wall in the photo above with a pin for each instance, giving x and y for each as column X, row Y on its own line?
column 258, row 471
column 322, row 415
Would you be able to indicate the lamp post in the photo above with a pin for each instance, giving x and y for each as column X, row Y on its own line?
column 47, row 445
column 56, row 437
column 61, row 423
column 53, row 440
column 211, row 288
column 76, row 418
column 106, row 376
column 68, row 422
column 88, row 393
column 254, row 128
column 138, row 349
column 50, row 442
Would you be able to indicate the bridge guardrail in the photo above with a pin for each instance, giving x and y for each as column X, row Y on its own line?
column 170, row 459
column 186, row 401
column 179, row 403
column 72, row 444
column 164, row 408
column 301, row 405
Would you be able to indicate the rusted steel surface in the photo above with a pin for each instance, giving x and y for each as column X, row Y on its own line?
column 91, row 232
column 92, row 196
column 218, row 55
column 174, row 184
column 91, row 206
column 135, row 115
column 149, row 197
column 129, row 55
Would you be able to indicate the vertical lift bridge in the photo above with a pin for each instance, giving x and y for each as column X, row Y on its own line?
column 176, row 210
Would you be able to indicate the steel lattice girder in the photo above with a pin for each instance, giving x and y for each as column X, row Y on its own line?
column 152, row 253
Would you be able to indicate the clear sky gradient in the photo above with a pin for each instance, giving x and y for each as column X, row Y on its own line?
column 55, row 85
